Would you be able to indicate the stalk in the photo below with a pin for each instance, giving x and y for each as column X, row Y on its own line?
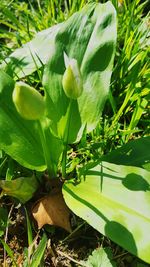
column 48, row 160
column 65, row 140
column 64, row 159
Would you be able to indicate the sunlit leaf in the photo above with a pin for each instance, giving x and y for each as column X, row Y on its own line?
column 21, row 188
column 18, row 137
column 115, row 200
column 32, row 55
column 101, row 257
column 88, row 36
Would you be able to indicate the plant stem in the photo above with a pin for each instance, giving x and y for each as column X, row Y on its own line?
column 48, row 160
column 64, row 158
column 65, row 140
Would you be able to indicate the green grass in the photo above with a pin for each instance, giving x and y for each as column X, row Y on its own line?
column 126, row 113
column 21, row 20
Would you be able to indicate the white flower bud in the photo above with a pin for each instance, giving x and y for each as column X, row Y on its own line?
column 72, row 79
column 29, row 103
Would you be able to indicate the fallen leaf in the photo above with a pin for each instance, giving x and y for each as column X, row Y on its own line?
column 52, row 210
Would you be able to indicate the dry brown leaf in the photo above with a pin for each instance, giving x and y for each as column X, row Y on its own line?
column 52, row 210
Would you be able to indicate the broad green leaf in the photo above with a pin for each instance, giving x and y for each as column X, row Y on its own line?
column 21, row 188
column 115, row 200
column 27, row 59
column 101, row 257
column 19, row 138
column 135, row 153
column 88, row 36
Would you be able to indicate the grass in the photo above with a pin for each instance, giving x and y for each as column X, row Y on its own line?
column 125, row 117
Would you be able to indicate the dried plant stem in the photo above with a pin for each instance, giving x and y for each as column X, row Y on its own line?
column 6, row 232
column 70, row 258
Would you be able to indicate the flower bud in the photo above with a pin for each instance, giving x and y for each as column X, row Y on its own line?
column 29, row 103
column 72, row 80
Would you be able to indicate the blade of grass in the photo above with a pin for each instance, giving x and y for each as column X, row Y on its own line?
column 29, row 228
column 37, row 256
column 9, row 251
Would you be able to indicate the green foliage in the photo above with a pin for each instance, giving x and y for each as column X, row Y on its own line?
column 114, row 199
column 3, row 220
column 20, row 21
column 34, row 256
column 101, row 257
column 131, row 75
column 95, row 28
column 38, row 254
column 18, row 137
column 111, row 195
column 98, row 40
column 22, row 188
column 99, row 37
column 9, row 252
column 134, row 153
column 29, row 229
column 32, row 55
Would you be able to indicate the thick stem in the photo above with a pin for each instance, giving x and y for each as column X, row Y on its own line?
column 48, row 160
column 65, row 140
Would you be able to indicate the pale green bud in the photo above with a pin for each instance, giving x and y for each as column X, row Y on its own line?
column 72, row 79
column 29, row 103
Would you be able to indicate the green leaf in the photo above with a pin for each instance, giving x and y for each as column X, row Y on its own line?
column 9, row 251
column 88, row 36
column 32, row 55
column 115, row 200
column 22, row 188
column 19, row 138
column 3, row 220
column 101, row 257
column 135, row 153
column 37, row 256
column 29, row 228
